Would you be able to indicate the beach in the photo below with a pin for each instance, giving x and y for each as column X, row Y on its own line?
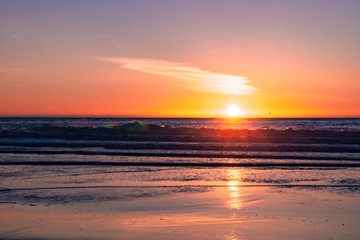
column 154, row 183
column 179, row 120
column 100, row 204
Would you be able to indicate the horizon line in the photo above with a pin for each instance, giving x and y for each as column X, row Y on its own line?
column 158, row 116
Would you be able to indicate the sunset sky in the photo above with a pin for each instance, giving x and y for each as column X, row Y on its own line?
column 186, row 58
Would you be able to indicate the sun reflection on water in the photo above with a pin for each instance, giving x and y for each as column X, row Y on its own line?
column 234, row 196
column 230, row 237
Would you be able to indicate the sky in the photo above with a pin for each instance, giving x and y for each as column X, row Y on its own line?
column 185, row 58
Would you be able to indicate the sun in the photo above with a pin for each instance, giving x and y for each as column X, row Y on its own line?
column 233, row 111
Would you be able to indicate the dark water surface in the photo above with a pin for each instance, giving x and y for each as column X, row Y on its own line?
column 114, row 178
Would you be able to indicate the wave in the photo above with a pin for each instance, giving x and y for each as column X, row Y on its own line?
column 180, row 186
column 187, row 154
column 183, row 164
column 137, row 131
column 9, row 143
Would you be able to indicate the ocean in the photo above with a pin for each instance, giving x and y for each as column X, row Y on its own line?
column 135, row 178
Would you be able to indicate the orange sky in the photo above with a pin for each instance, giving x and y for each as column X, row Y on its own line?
column 180, row 59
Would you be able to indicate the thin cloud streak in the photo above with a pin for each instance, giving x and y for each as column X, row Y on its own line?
column 317, row 96
column 97, row 37
column 195, row 78
column 18, row 70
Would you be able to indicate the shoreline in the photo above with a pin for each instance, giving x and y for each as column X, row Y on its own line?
column 220, row 213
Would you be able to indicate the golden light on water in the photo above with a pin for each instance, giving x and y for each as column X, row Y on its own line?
column 234, row 197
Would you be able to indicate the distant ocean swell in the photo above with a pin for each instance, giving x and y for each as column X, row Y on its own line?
column 184, row 164
column 211, row 147
column 137, row 131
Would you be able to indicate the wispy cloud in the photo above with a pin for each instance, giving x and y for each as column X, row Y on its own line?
column 96, row 37
column 194, row 78
column 17, row 70
column 16, row 37
column 317, row 96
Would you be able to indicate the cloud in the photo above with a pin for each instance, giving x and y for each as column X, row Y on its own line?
column 317, row 96
column 17, row 70
column 193, row 78
column 16, row 37
column 96, row 37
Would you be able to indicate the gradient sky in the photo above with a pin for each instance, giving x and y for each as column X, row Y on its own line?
column 188, row 58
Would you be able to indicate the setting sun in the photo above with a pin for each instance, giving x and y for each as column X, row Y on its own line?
column 233, row 111
column 179, row 120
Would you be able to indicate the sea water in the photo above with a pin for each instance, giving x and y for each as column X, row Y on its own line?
column 241, row 174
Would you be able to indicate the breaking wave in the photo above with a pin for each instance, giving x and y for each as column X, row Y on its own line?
column 137, row 131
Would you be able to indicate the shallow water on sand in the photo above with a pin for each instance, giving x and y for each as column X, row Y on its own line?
column 128, row 202
column 190, row 213
column 179, row 179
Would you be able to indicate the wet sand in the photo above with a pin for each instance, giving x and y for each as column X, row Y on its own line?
column 89, row 207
